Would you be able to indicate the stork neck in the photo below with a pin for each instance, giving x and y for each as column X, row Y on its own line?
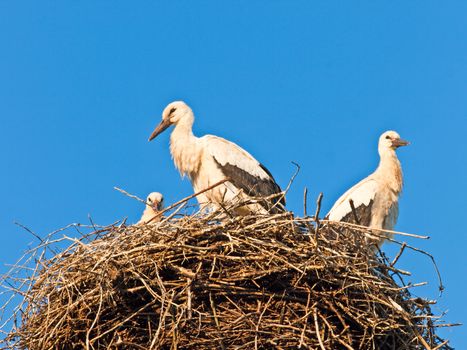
column 185, row 149
column 390, row 170
column 183, row 131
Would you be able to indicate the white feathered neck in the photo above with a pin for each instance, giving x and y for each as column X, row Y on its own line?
column 389, row 171
column 184, row 147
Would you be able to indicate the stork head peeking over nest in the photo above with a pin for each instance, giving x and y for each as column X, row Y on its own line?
column 154, row 204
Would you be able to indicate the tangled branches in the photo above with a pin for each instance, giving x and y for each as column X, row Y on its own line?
column 215, row 281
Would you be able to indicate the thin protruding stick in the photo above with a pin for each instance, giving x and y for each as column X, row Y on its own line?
column 130, row 195
column 283, row 193
column 292, row 178
column 30, row 231
column 365, row 228
column 318, row 209
column 398, row 254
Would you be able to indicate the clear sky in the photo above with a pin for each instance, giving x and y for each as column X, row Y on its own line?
column 83, row 83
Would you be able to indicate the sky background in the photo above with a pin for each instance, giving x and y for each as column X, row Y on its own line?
column 83, row 84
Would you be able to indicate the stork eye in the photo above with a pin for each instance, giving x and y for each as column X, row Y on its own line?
column 172, row 111
column 149, row 200
column 388, row 137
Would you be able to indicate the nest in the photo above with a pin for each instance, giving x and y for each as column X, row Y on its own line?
column 218, row 282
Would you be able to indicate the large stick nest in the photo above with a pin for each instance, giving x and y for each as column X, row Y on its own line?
column 206, row 282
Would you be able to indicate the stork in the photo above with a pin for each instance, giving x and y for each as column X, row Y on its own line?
column 154, row 204
column 375, row 198
column 210, row 159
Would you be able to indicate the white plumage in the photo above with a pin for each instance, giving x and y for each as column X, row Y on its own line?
column 209, row 159
column 154, row 204
column 375, row 198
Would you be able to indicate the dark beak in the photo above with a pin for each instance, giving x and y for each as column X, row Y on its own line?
column 165, row 123
column 399, row 143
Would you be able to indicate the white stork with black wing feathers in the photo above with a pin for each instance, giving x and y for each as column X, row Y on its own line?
column 210, row 159
column 375, row 198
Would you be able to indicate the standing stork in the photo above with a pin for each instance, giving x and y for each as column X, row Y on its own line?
column 154, row 204
column 210, row 159
column 375, row 198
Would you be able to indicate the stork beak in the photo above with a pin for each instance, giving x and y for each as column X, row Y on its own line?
column 399, row 143
column 164, row 124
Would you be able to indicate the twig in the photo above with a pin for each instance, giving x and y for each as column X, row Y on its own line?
column 318, row 208
column 292, row 179
column 130, row 195
column 365, row 228
column 30, row 231
column 318, row 333
column 398, row 254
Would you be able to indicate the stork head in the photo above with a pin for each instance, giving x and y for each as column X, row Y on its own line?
column 155, row 200
column 390, row 141
column 174, row 113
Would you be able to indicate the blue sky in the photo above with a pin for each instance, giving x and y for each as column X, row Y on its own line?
column 82, row 85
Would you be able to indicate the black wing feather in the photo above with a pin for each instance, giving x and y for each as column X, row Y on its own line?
column 363, row 213
column 253, row 185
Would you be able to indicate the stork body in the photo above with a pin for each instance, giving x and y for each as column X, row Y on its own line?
column 210, row 159
column 154, row 204
column 375, row 198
